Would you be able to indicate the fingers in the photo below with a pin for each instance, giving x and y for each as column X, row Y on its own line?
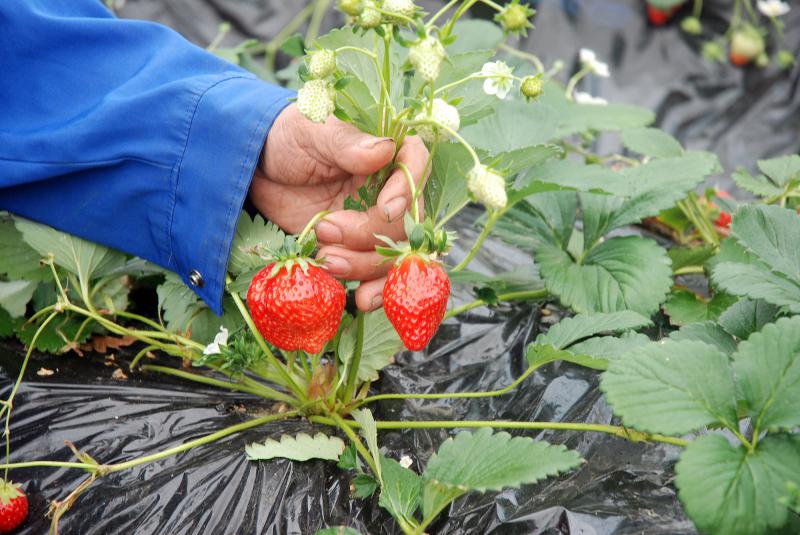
column 353, row 265
column 369, row 295
column 356, row 230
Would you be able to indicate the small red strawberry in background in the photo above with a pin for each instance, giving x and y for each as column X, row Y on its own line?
column 723, row 220
column 415, row 299
column 13, row 506
column 659, row 16
column 295, row 303
column 747, row 44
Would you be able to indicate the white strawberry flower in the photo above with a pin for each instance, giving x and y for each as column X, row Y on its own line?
column 221, row 339
column 322, row 63
column 444, row 114
column 500, row 78
column 773, row 8
column 585, row 98
column 487, row 187
column 405, row 461
column 589, row 59
column 426, row 56
column 315, row 100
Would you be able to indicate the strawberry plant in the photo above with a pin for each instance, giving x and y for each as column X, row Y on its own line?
column 503, row 133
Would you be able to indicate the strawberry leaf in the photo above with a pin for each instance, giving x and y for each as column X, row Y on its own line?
column 381, row 343
column 651, row 142
column 684, row 306
column 401, row 491
column 747, row 316
column 14, row 296
column 301, row 447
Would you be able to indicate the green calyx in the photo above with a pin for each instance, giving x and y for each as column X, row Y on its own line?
column 532, row 87
column 292, row 252
column 515, row 18
column 423, row 241
column 9, row 491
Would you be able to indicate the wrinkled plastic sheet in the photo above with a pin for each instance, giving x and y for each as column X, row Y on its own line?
column 623, row 488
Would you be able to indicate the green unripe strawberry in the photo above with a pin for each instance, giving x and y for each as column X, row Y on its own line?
column 351, row 7
column 487, row 187
column 322, row 63
column 402, row 8
column 532, row 87
column 514, row 18
column 692, row 25
column 315, row 100
column 444, row 114
column 762, row 60
column 426, row 56
column 785, row 59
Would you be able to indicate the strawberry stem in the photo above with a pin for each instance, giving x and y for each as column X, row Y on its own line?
column 487, row 228
column 355, row 362
column 310, row 225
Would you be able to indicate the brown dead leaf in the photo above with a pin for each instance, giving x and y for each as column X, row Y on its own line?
column 101, row 344
column 119, row 375
column 45, row 372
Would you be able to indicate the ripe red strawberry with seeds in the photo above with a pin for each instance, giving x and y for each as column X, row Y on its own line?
column 296, row 305
column 723, row 221
column 13, row 506
column 415, row 299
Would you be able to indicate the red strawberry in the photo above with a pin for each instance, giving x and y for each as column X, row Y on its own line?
column 659, row 17
column 13, row 506
column 723, row 220
column 415, row 299
column 296, row 308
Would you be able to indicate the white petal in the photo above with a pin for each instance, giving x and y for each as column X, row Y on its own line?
column 405, row 461
column 587, row 56
column 502, row 90
column 489, row 69
column 581, row 97
column 773, row 8
column 490, row 86
column 601, row 69
column 222, row 336
column 212, row 349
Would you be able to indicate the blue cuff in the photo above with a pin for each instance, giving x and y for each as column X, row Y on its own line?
column 227, row 134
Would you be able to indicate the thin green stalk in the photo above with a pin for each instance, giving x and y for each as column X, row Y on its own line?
column 450, row 131
column 487, row 228
column 448, row 28
column 697, row 9
column 447, row 217
column 474, row 76
column 289, row 382
column 8, row 405
column 439, row 13
column 537, row 63
column 574, row 81
column 320, row 8
column 261, row 390
column 140, row 355
column 311, row 224
column 355, row 362
column 526, row 295
column 413, row 187
column 622, row 432
column 223, row 30
column 272, row 47
column 453, row 395
column 347, row 427
column 690, row 270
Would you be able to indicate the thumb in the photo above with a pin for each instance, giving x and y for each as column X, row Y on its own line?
column 342, row 145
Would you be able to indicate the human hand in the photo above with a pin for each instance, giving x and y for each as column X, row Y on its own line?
column 307, row 168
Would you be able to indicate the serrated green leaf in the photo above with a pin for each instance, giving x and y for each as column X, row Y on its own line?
column 626, row 273
column 251, row 236
column 294, row 46
column 684, row 306
column 571, row 330
column 651, row 142
column 767, row 368
column 510, row 127
column 381, row 343
column 475, row 34
column 369, row 431
column 690, row 256
column 575, row 118
column 607, row 348
column 747, row 316
column 758, row 185
column 18, row 260
column 781, row 169
column 6, row 324
column 446, row 188
column 516, row 161
column 672, row 387
column 522, row 278
column 301, row 447
column 364, row 486
column 14, row 296
column 85, row 259
column 56, row 336
column 483, row 461
column 727, row 491
column 707, row 332
column 401, row 491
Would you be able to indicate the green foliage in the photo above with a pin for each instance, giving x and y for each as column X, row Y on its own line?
column 301, row 447
column 370, row 433
column 401, row 491
column 780, row 175
column 14, row 296
column 684, row 306
column 381, row 343
column 727, row 490
column 672, row 387
column 338, row 530
column 18, row 260
column 747, row 316
column 651, row 142
column 250, row 242
column 708, row 332
column 760, row 259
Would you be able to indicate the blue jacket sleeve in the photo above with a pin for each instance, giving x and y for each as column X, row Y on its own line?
column 123, row 133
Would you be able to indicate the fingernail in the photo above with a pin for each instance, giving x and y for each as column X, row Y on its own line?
column 328, row 232
column 372, row 142
column 395, row 208
column 337, row 266
column 376, row 301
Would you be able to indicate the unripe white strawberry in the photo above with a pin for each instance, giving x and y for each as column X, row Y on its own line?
column 315, row 100
column 404, row 8
column 444, row 114
column 351, row 7
column 370, row 17
column 426, row 56
column 532, row 87
column 487, row 187
column 322, row 63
